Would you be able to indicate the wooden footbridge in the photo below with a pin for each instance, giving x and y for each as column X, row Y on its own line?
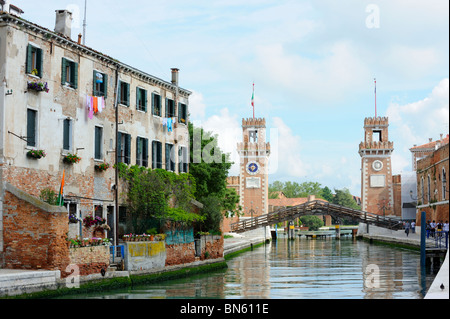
column 315, row 207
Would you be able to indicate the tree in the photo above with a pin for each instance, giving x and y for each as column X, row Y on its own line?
column 294, row 189
column 209, row 166
column 327, row 194
column 312, row 222
column 344, row 198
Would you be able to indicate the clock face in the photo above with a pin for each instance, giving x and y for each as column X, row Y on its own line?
column 252, row 168
column 377, row 165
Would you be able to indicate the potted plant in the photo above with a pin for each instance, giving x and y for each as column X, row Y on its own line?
column 101, row 167
column 38, row 86
column 152, row 232
column 36, row 153
column 73, row 219
column 71, row 158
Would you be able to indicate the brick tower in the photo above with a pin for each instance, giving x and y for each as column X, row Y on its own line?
column 376, row 167
column 253, row 173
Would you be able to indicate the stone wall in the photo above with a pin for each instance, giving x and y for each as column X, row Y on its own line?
column 180, row 253
column 145, row 255
column 211, row 247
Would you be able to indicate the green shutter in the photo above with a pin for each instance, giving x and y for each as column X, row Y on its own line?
column 138, row 98
column 167, row 109
column 39, row 61
column 119, row 148
column 153, row 105
column 74, row 67
column 31, row 127
column 154, row 154
column 94, row 92
column 128, row 148
column 128, row 93
column 119, row 94
column 159, row 155
column 145, row 100
column 105, row 85
column 63, row 71
column 29, row 58
column 66, row 134
column 138, row 150
column 145, row 152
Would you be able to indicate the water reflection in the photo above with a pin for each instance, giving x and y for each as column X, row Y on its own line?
column 301, row 269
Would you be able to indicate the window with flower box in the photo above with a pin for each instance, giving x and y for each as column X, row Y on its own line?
column 31, row 128
column 156, row 104
column 182, row 113
column 100, row 83
column 67, row 134
column 69, row 73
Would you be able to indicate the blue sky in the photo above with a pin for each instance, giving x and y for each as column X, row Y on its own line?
column 312, row 62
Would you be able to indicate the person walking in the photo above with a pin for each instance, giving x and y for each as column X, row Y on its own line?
column 433, row 228
column 413, row 227
column 407, row 228
column 428, row 229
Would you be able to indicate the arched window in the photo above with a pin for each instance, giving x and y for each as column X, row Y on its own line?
column 444, row 184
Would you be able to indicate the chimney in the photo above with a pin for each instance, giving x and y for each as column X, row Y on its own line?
column 430, row 139
column 79, row 38
column 442, row 136
column 63, row 23
column 175, row 76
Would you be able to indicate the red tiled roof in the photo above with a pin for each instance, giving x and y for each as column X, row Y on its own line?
column 284, row 202
column 431, row 145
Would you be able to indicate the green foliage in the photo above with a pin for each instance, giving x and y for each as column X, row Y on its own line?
column 49, row 196
column 209, row 166
column 327, row 194
column 344, row 198
column 312, row 222
column 294, row 189
column 148, row 193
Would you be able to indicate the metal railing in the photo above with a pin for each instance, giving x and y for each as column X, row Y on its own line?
column 117, row 253
column 440, row 239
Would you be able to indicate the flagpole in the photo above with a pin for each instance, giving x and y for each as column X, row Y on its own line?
column 375, row 80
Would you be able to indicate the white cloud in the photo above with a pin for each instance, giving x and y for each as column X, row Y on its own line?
column 416, row 122
column 197, row 105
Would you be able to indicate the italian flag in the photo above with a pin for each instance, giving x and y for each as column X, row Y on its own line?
column 253, row 95
column 60, row 195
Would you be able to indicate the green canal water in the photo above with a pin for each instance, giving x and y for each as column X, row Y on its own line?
column 301, row 269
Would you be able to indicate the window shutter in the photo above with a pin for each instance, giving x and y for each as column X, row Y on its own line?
column 138, row 150
column 167, row 109
column 180, row 159
column 119, row 94
column 105, row 85
column 29, row 58
column 154, row 154
column 159, row 155
column 153, row 104
column 145, row 100
column 39, row 61
column 145, row 152
column 74, row 67
column 63, row 71
column 94, row 91
column 127, row 87
column 98, row 141
column 119, row 148
column 31, row 128
column 66, row 134
column 138, row 98
column 128, row 148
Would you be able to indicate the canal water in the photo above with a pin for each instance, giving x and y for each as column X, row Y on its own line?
column 301, row 269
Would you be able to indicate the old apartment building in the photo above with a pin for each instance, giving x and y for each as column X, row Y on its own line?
column 58, row 98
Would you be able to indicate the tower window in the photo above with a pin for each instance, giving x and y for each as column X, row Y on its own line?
column 376, row 136
column 253, row 136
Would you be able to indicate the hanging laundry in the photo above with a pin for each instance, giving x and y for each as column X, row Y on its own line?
column 89, row 106
column 169, row 124
column 95, row 104
column 100, row 103
column 164, row 123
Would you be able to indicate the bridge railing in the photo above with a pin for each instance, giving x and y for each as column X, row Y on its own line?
column 312, row 208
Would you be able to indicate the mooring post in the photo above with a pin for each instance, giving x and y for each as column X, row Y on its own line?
column 423, row 251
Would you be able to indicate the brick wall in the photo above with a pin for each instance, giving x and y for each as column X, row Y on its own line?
column 180, row 253
column 213, row 245
column 34, row 232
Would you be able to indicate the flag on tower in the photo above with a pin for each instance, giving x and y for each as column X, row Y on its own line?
column 253, row 100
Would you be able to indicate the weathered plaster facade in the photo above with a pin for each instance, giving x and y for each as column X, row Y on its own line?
column 84, row 186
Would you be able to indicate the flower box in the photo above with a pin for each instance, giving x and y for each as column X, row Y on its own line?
column 71, row 158
column 101, row 167
column 38, row 86
column 36, row 153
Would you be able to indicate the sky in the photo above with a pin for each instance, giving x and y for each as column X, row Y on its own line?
column 312, row 63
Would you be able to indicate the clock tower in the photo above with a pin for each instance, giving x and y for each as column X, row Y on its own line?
column 253, row 173
column 376, row 167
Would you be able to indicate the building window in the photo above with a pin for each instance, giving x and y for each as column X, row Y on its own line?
column 182, row 113
column 141, row 99
column 34, row 61
column 182, row 159
column 67, row 135
column 31, row 128
column 422, row 190
column 156, row 154
column 141, row 151
column 124, row 93
column 69, row 73
column 170, row 163
column 98, row 143
column 170, row 108
column 156, row 104
column 444, row 184
column 100, row 84
column 124, row 147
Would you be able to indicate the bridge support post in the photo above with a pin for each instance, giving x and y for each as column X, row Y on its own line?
column 423, row 247
column 338, row 231
column 291, row 230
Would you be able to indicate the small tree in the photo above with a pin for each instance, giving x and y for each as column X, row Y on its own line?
column 312, row 222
